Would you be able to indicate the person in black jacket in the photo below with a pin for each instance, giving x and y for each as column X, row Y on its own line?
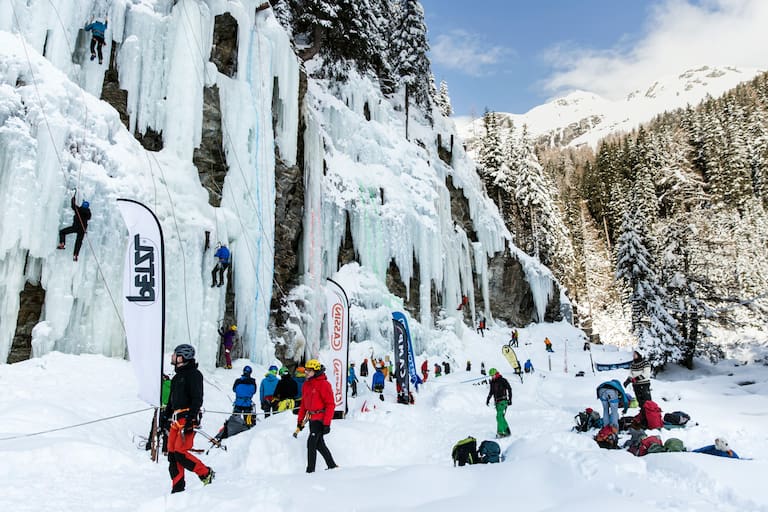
column 502, row 396
column 79, row 226
column 182, row 411
column 285, row 391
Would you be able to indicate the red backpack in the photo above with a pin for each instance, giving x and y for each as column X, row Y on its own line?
column 652, row 413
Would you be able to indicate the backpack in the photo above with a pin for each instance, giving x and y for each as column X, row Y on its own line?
column 676, row 418
column 586, row 421
column 626, row 422
column 649, row 416
column 648, row 444
column 489, row 452
column 465, row 452
column 674, row 444
column 607, row 437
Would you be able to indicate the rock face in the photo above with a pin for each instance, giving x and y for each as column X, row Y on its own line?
column 224, row 48
column 209, row 157
column 510, row 293
column 111, row 91
column 30, row 307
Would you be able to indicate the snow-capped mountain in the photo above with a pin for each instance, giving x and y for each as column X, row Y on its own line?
column 583, row 117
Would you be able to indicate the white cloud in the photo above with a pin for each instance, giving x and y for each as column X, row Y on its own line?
column 680, row 34
column 463, row 51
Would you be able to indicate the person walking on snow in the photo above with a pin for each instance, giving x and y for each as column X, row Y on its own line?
column 548, row 344
column 514, row 342
column 640, row 377
column 222, row 256
column 481, row 326
column 424, row 371
column 79, row 226
column 611, row 395
column 502, row 396
column 364, row 368
column 317, row 406
column 352, row 379
column 228, row 341
column 97, row 29
column 184, row 403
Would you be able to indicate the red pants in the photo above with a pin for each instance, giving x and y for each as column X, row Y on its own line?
column 179, row 457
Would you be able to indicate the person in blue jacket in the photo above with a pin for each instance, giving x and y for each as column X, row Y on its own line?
column 377, row 383
column 352, row 379
column 611, row 394
column 268, row 385
column 719, row 449
column 244, row 389
column 97, row 29
column 528, row 366
column 222, row 264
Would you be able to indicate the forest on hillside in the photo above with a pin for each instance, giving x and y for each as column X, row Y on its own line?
column 664, row 227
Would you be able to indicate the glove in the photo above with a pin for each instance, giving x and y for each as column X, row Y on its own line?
column 626, row 382
column 189, row 426
column 326, row 429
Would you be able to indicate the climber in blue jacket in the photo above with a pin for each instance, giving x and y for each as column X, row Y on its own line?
column 97, row 29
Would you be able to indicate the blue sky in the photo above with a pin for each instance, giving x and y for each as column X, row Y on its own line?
column 512, row 55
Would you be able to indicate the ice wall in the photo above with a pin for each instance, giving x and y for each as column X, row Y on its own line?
column 55, row 137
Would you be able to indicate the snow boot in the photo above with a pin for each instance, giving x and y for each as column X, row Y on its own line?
column 93, row 56
column 207, row 479
column 74, row 258
column 60, row 246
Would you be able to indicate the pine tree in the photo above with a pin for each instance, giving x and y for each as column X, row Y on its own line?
column 654, row 327
column 443, row 100
column 489, row 153
column 409, row 52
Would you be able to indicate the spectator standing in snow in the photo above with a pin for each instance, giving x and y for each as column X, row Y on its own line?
column 501, row 392
column 317, row 406
column 515, row 338
column 299, row 377
column 377, row 382
column 469, row 366
column 482, row 368
column 438, row 370
column 244, row 388
column 640, row 377
column 352, row 379
column 364, row 368
column 528, row 366
column 548, row 344
column 424, row 370
column 268, row 385
column 285, row 391
column 446, row 367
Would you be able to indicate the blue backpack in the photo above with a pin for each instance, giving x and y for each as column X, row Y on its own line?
column 489, row 452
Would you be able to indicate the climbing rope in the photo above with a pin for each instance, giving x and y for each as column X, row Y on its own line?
column 20, row 436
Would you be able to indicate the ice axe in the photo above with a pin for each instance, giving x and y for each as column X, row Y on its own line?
column 300, row 427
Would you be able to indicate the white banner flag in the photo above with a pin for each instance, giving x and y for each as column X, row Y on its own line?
column 144, row 298
column 337, row 320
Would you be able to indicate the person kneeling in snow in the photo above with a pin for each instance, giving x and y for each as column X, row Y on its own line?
column 719, row 449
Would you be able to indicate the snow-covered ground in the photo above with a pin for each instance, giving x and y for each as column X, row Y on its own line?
column 393, row 457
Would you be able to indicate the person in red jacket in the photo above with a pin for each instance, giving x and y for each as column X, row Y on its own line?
column 424, row 371
column 317, row 406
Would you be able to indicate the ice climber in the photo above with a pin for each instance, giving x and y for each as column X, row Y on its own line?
column 222, row 256
column 97, row 29
column 227, row 342
column 79, row 226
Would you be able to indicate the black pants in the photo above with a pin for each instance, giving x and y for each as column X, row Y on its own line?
column 73, row 229
column 642, row 392
column 221, row 268
column 316, row 443
column 96, row 44
column 354, row 388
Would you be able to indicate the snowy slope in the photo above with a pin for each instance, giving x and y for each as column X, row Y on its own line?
column 393, row 457
column 584, row 118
